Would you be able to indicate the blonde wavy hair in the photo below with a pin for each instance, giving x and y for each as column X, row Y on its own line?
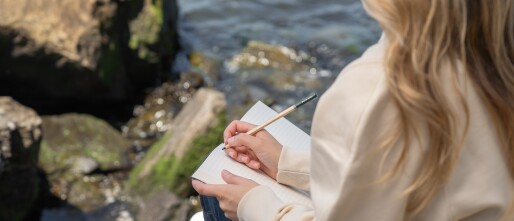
column 476, row 36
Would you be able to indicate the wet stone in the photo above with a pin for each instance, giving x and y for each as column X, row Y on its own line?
column 154, row 117
column 259, row 55
column 207, row 66
column 164, row 206
column 84, row 165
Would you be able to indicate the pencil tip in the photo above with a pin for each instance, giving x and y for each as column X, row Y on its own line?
column 299, row 104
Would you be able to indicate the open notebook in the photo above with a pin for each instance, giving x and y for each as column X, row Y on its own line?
column 284, row 131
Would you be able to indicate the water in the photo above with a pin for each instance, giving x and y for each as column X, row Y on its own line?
column 224, row 26
column 331, row 33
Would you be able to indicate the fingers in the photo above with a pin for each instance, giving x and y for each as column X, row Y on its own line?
column 241, row 149
column 244, row 140
column 256, row 165
column 242, row 158
column 231, row 152
column 245, row 159
column 236, row 127
column 234, row 151
column 239, row 154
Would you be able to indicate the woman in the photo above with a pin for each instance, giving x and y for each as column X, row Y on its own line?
column 421, row 127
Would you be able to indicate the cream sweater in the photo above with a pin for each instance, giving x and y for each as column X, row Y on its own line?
column 344, row 161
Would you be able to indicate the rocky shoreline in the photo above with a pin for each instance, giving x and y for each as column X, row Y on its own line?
column 117, row 134
column 86, row 170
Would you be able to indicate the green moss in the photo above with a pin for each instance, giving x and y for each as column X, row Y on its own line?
column 145, row 31
column 134, row 180
column 175, row 174
column 47, row 154
column 195, row 155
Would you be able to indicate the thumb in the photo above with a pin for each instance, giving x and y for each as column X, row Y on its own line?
column 231, row 178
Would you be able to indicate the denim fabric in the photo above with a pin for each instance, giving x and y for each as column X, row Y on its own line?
column 211, row 209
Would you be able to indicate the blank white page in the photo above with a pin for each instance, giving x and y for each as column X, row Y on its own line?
column 284, row 131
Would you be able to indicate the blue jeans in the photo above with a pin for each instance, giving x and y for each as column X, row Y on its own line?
column 211, row 209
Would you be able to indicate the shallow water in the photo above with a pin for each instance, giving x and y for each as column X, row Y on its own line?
column 224, row 26
column 331, row 33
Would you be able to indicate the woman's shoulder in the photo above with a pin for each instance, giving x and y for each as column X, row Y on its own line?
column 363, row 77
column 358, row 92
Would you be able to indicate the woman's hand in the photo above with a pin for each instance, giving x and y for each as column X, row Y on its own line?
column 259, row 152
column 228, row 194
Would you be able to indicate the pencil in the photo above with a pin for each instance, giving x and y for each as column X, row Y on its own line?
column 275, row 118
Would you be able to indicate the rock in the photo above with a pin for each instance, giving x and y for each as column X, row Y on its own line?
column 259, row 55
column 84, row 165
column 91, row 50
column 194, row 119
column 164, row 206
column 20, row 137
column 207, row 66
column 124, row 216
column 282, row 68
column 193, row 133
column 69, row 137
column 78, row 144
column 73, row 33
column 155, row 116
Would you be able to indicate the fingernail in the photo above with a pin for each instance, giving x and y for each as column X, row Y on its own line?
column 245, row 158
column 254, row 164
column 232, row 154
column 231, row 140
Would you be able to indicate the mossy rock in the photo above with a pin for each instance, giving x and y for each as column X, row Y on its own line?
column 69, row 136
column 172, row 173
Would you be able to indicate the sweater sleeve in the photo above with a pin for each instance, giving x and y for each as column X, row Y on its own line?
column 261, row 203
column 294, row 168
